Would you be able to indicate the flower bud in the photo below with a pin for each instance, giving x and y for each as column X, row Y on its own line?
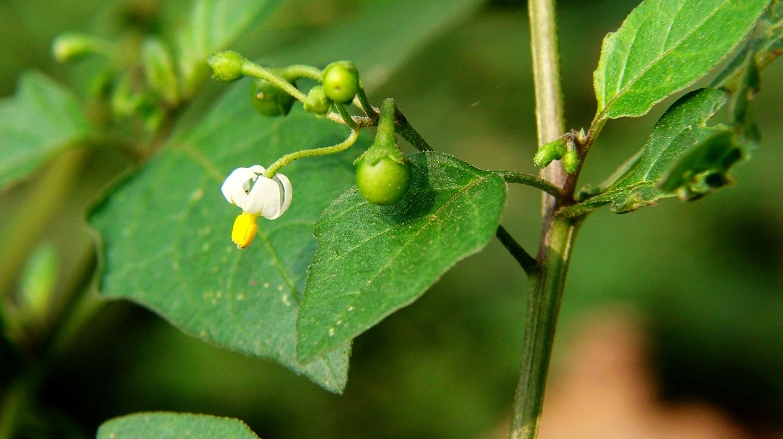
column 226, row 65
column 317, row 102
column 554, row 150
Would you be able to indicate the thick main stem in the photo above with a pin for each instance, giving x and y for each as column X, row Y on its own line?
column 543, row 307
column 557, row 233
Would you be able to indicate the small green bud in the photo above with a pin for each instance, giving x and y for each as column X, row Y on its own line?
column 341, row 81
column 570, row 160
column 317, row 102
column 226, row 65
column 71, row 46
column 270, row 100
column 551, row 151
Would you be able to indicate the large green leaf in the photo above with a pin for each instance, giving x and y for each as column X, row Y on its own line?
column 664, row 46
column 166, row 233
column 213, row 25
column 765, row 43
column 373, row 260
column 679, row 130
column 38, row 121
column 162, row 425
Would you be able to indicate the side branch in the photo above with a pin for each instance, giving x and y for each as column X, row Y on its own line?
column 527, row 262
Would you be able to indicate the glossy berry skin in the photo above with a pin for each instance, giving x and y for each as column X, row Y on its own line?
column 269, row 100
column 383, row 183
column 341, row 81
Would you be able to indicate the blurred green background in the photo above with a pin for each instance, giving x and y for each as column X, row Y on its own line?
column 705, row 278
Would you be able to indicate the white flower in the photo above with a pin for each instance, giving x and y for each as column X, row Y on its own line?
column 268, row 197
column 257, row 195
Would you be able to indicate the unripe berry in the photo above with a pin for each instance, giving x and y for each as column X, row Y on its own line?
column 384, row 182
column 270, row 100
column 317, row 102
column 341, row 81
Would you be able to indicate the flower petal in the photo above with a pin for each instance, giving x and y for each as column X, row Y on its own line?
column 270, row 197
column 287, row 192
column 237, row 184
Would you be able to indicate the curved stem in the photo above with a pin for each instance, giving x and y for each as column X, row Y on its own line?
column 367, row 107
column 315, row 152
column 347, row 118
column 252, row 69
column 297, row 71
column 530, row 180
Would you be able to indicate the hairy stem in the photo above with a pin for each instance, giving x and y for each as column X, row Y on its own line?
column 557, row 234
column 315, row 152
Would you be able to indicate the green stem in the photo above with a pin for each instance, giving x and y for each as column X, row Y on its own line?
column 530, row 180
column 315, row 152
column 557, row 233
column 546, row 75
column 297, row 71
column 346, row 116
column 406, row 130
column 367, row 107
column 543, row 307
column 252, row 69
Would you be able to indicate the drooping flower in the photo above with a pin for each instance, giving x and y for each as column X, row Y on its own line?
column 256, row 195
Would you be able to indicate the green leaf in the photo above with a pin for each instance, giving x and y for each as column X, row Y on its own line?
column 703, row 169
column 166, row 233
column 37, row 122
column 213, row 25
column 373, row 260
column 664, row 46
column 680, row 129
column 162, row 425
column 765, row 43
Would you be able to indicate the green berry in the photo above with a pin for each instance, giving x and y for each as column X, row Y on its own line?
column 341, row 81
column 270, row 100
column 384, row 182
column 317, row 102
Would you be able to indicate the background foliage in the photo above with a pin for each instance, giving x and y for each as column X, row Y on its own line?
column 706, row 277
